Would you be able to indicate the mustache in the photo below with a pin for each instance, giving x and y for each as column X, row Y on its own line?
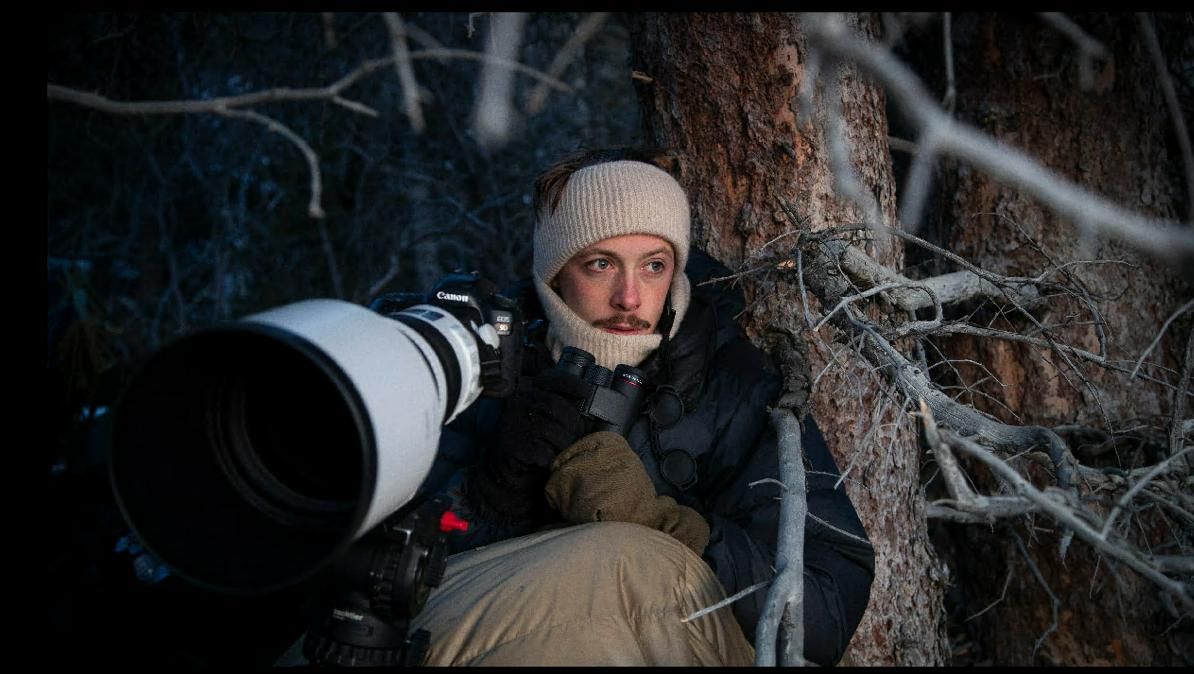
column 624, row 320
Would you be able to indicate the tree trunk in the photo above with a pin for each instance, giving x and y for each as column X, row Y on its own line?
column 718, row 92
column 1017, row 79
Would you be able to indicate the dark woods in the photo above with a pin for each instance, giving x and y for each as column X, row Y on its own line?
column 160, row 223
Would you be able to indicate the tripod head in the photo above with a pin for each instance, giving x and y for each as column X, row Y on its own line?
column 378, row 586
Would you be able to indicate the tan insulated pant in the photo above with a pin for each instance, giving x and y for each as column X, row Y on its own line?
column 608, row 593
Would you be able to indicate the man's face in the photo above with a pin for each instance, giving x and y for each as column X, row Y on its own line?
column 619, row 284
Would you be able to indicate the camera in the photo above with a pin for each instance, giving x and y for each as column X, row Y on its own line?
column 249, row 455
column 613, row 397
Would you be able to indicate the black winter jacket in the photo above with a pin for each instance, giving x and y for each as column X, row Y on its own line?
column 726, row 385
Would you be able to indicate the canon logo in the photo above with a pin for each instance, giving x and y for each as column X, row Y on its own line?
column 451, row 296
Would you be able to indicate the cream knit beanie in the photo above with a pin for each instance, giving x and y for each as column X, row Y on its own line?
column 599, row 202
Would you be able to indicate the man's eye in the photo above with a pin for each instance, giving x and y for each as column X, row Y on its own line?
column 599, row 264
column 656, row 266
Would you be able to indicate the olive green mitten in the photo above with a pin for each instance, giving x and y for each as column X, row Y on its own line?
column 599, row 478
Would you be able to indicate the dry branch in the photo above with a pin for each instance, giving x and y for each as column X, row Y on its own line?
column 1051, row 502
column 232, row 106
column 493, row 114
column 784, row 608
column 406, row 72
column 940, row 134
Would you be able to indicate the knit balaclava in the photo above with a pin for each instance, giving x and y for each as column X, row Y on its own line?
column 599, row 202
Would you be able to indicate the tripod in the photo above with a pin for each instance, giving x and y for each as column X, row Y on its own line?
column 378, row 586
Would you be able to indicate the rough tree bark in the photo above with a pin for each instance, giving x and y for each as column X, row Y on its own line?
column 719, row 93
column 1017, row 79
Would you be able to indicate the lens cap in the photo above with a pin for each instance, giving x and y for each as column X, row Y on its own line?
column 666, row 407
column 679, row 468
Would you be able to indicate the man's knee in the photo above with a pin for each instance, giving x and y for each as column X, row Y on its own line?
column 601, row 593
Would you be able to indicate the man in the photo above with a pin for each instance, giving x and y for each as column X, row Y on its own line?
column 593, row 548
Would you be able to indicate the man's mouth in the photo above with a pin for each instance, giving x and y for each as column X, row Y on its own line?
column 631, row 325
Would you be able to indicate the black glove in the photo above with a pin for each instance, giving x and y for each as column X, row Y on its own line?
column 536, row 425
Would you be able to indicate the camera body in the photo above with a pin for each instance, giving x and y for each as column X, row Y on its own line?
column 613, row 397
column 495, row 320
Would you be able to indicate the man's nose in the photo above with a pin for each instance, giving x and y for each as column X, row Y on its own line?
column 626, row 295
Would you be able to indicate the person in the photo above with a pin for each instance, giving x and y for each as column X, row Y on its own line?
column 589, row 547
column 583, row 545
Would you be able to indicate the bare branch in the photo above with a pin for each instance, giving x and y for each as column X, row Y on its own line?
column 229, row 106
column 919, row 180
column 1089, row 49
column 970, row 283
column 583, row 33
column 859, row 296
column 1054, row 602
column 1062, row 513
column 329, row 29
column 966, row 505
column 1178, row 428
column 1171, row 102
column 56, row 92
column 915, row 384
column 493, row 114
column 785, row 598
column 951, row 92
column 845, row 178
column 1181, row 310
column 392, row 272
column 355, row 107
column 406, row 73
column 1002, row 595
column 314, row 207
column 1087, row 210
column 950, row 288
column 1156, row 470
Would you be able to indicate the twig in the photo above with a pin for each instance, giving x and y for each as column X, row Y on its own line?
column 1175, row 109
column 1177, row 427
column 725, row 602
column 314, row 206
column 386, row 278
column 1140, row 484
column 965, row 329
column 859, row 296
column 1089, row 48
column 1181, row 310
column 1002, row 595
column 583, row 33
column 355, row 107
column 329, row 253
column 1054, row 602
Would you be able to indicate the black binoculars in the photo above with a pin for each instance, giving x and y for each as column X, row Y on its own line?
column 613, row 397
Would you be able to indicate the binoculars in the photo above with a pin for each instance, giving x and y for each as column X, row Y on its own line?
column 613, row 397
